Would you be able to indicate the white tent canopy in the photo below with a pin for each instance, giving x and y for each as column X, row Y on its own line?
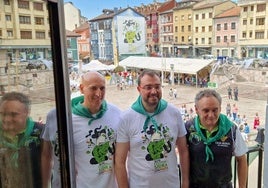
column 181, row 65
column 96, row 65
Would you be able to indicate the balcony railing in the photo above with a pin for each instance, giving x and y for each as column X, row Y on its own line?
column 253, row 153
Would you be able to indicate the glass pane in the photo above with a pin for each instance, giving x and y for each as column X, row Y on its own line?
column 27, row 95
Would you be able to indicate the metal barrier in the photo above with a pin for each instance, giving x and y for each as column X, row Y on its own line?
column 251, row 150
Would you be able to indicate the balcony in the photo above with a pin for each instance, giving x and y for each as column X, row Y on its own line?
column 255, row 161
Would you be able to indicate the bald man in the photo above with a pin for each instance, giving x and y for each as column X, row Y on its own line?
column 94, row 124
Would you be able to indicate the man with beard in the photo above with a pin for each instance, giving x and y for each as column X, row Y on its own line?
column 147, row 137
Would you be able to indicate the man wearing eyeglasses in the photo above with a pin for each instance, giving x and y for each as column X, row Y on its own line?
column 147, row 137
column 20, row 143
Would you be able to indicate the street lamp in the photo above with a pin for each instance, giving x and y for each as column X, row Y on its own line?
column 172, row 73
column 162, row 71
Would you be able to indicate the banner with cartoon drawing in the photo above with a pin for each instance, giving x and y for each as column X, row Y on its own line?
column 131, row 36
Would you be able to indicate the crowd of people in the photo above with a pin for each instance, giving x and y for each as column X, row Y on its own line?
column 134, row 148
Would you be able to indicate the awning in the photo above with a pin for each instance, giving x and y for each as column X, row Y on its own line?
column 181, row 65
column 25, row 47
column 181, row 46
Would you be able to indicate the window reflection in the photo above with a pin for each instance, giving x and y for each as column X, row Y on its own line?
column 26, row 73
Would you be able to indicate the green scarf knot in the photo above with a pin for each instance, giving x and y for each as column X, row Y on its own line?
column 80, row 110
column 224, row 126
column 22, row 142
column 138, row 107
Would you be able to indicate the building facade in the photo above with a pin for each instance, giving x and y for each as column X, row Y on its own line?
column 72, row 46
column 72, row 16
column 24, row 34
column 166, row 31
column 183, row 30
column 83, row 46
column 203, row 14
column 151, row 13
column 226, row 30
column 253, row 35
column 117, row 34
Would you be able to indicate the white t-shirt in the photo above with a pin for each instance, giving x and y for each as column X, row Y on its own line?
column 240, row 147
column 94, row 149
column 152, row 161
column 50, row 134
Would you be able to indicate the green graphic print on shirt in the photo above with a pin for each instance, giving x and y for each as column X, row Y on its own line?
column 158, row 145
column 101, row 144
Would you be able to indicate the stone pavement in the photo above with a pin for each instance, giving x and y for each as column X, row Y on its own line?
column 252, row 99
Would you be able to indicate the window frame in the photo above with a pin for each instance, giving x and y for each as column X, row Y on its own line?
column 62, row 92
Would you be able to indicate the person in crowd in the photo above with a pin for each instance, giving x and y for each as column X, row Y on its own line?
column 213, row 139
column 246, row 128
column 234, row 111
column 244, row 119
column 236, row 93
column 95, row 123
column 170, row 92
column 183, row 110
column 238, row 120
column 20, row 143
column 229, row 91
column 242, row 130
column 147, row 137
column 175, row 93
column 256, row 122
column 228, row 110
column 50, row 152
column 191, row 113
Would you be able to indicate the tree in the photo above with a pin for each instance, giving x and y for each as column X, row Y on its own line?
column 119, row 69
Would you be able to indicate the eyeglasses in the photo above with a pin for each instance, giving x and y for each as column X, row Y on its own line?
column 151, row 87
column 10, row 114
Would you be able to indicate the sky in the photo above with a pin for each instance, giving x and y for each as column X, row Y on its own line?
column 93, row 8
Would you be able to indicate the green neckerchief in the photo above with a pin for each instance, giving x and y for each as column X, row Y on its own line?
column 80, row 110
column 22, row 141
column 138, row 107
column 224, row 126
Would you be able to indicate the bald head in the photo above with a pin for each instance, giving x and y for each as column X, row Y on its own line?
column 93, row 87
column 91, row 76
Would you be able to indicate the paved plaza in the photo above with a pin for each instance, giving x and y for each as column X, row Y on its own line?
column 252, row 98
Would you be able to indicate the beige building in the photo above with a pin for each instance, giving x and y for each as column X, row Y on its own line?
column 183, row 30
column 72, row 16
column 254, row 29
column 203, row 14
column 24, row 31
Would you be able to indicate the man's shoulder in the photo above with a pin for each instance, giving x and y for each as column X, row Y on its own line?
column 171, row 106
column 113, row 107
